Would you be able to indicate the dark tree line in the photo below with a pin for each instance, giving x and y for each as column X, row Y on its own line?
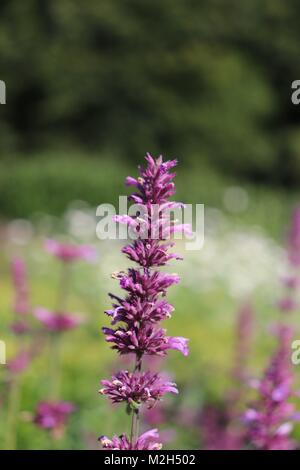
column 207, row 79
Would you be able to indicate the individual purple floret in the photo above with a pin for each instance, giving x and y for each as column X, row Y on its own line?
column 269, row 420
column 147, row 441
column 135, row 388
column 136, row 317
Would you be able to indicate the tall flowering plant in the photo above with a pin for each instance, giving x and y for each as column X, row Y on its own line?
column 137, row 316
column 269, row 419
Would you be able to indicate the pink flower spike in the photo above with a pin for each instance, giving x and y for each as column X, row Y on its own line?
column 136, row 316
column 68, row 252
column 268, row 420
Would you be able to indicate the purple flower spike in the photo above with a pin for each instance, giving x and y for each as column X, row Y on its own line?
column 138, row 314
column 269, row 420
column 68, row 252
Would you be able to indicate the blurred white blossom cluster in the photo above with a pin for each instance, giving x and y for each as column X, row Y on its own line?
column 240, row 259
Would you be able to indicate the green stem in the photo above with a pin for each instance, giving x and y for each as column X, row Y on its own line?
column 54, row 357
column 135, row 416
column 64, row 286
column 13, row 410
column 55, row 339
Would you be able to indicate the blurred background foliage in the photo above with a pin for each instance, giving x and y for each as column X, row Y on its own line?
column 208, row 82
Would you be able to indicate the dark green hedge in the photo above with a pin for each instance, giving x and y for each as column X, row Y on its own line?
column 208, row 78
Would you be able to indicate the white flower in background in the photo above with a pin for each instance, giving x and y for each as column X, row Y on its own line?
column 241, row 260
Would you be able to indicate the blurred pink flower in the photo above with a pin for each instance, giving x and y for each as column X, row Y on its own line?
column 19, row 363
column 217, row 430
column 291, row 282
column 57, row 321
column 155, row 415
column 53, row 415
column 68, row 252
column 19, row 277
column 19, row 327
column 287, row 304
